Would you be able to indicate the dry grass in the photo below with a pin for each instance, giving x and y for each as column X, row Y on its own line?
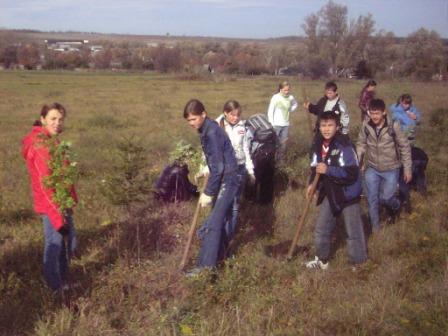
column 401, row 290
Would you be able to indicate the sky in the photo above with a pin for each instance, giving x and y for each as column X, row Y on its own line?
column 218, row 18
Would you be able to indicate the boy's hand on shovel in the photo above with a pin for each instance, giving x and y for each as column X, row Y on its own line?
column 309, row 192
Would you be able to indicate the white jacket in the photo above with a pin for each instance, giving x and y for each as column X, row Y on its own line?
column 279, row 109
column 238, row 137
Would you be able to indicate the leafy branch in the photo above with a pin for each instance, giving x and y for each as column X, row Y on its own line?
column 63, row 172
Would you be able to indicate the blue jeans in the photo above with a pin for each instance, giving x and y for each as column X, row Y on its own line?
column 325, row 223
column 282, row 137
column 232, row 215
column 56, row 261
column 212, row 232
column 381, row 188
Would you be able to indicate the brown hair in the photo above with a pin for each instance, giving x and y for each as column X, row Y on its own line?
column 331, row 86
column 404, row 98
column 229, row 106
column 47, row 108
column 194, row 107
column 370, row 82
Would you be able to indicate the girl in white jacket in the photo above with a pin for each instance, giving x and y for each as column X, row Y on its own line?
column 282, row 103
column 235, row 128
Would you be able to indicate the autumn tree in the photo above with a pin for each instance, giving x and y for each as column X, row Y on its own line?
column 250, row 60
column 381, row 53
column 8, row 56
column 191, row 58
column 332, row 42
column 28, row 55
column 167, row 59
column 423, row 54
column 102, row 59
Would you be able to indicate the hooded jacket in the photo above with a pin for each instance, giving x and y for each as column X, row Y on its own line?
column 36, row 155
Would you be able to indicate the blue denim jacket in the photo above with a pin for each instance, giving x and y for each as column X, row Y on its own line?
column 219, row 154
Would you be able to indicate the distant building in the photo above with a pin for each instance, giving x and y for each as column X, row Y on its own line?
column 96, row 48
column 65, row 45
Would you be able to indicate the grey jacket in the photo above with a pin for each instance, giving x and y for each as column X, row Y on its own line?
column 383, row 152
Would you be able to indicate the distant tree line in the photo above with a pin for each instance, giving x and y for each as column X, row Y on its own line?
column 333, row 46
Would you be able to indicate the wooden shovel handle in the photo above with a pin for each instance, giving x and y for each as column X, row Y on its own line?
column 192, row 228
column 303, row 216
column 308, row 114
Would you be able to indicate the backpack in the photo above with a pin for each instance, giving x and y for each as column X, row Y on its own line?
column 173, row 184
column 261, row 128
column 264, row 140
column 264, row 155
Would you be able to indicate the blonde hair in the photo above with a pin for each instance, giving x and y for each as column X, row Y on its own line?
column 283, row 85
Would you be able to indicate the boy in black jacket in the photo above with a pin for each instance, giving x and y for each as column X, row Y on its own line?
column 331, row 101
column 334, row 158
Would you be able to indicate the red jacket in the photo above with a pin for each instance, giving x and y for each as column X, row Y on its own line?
column 37, row 156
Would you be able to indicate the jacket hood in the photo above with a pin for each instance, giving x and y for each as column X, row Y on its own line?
column 31, row 137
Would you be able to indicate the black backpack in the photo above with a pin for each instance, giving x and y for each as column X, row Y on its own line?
column 173, row 184
column 261, row 128
column 263, row 144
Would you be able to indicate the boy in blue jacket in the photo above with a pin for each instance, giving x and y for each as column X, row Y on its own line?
column 222, row 186
column 409, row 117
column 339, row 188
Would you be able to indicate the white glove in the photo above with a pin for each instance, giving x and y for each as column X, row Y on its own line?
column 205, row 200
column 203, row 171
column 252, row 179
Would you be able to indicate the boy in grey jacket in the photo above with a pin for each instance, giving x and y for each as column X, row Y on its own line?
column 386, row 149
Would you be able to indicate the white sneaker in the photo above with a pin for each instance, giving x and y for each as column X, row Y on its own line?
column 317, row 264
column 194, row 272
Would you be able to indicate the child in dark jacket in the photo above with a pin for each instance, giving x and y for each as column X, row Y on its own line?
column 222, row 185
column 334, row 158
column 331, row 101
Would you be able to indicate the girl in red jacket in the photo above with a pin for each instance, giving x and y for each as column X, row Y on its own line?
column 59, row 232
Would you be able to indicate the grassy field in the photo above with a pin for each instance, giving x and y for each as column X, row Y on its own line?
column 128, row 284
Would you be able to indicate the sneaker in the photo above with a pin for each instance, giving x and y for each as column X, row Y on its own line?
column 317, row 264
column 194, row 272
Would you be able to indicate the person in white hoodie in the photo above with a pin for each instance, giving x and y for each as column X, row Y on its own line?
column 230, row 120
column 282, row 103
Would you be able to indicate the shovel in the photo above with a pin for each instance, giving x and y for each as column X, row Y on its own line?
column 292, row 248
column 192, row 228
